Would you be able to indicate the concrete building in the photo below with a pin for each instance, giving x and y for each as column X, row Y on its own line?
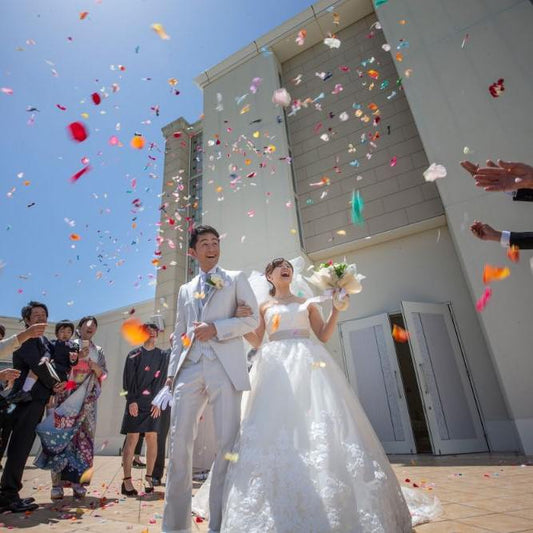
column 279, row 183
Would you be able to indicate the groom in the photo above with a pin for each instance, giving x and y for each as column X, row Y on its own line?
column 208, row 365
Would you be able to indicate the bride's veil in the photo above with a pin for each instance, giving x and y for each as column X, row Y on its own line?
column 299, row 287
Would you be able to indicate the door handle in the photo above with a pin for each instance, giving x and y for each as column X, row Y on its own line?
column 423, row 378
column 398, row 385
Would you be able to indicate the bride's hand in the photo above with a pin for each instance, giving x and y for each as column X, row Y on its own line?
column 243, row 310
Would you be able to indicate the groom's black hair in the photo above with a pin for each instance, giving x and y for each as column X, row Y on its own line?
column 201, row 230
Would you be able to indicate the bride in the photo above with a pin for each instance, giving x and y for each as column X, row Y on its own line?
column 306, row 458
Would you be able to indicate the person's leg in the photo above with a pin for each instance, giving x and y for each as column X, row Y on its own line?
column 57, row 492
column 5, row 434
column 138, row 451
column 226, row 404
column 151, row 454
column 127, row 458
column 159, row 467
column 189, row 402
column 25, row 420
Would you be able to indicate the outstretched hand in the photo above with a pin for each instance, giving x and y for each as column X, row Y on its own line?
column 485, row 232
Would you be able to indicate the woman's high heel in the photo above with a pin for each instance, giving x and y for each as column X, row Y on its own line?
column 148, row 488
column 125, row 491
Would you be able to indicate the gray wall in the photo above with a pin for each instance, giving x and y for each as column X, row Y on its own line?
column 394, row 196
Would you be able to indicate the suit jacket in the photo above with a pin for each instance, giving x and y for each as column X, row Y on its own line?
column 522, row 239
column 218, row 308
column 27, row 358
column 523, row 195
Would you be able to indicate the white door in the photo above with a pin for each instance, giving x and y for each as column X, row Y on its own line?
column 453, row 419
column 375, row 376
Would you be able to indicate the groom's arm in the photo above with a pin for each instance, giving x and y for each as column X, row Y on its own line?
column 179, row 330
column 230, row 328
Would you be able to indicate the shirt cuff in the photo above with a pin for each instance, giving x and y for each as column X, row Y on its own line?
column 505, row 239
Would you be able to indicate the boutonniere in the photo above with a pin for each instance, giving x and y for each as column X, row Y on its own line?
column 215, row 281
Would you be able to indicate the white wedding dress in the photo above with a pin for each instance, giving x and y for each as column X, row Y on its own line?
column 308, row 459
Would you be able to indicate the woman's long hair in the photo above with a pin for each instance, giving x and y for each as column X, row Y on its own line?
column 270, row 268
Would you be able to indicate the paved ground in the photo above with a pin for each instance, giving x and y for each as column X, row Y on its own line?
column 479, row 493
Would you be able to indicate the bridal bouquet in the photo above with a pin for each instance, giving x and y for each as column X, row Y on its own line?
column 337, row 280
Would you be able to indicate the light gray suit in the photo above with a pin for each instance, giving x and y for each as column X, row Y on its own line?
column 217, row 373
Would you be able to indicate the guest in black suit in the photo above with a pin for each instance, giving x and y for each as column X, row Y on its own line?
column 521, row 239
column 27, row 415
column 511, row 177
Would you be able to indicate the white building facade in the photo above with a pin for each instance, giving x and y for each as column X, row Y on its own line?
column 279, row 182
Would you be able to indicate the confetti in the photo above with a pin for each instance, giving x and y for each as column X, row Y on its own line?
column 281, row 97
column 79, row 174
column 77, row 131
column 393, row 161
column 513, row 253
column 497, row 88
column 332, row 42
column 231, row 457
column 300, row 38
column 494, row 273
column 134, row 332
column 83, row 15
column 96, row 98
column 379, row 3
column 7, row 90
column 318, row 364
column 465, row 39
column 275, row 322
column 158, row 28
column 185, row 340
column 484, row 299
column 399, row 334
column 74, row 237
column 434, row 172
column 137, row 141
column 357, row 204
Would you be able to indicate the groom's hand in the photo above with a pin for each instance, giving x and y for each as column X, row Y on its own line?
column 204, row 332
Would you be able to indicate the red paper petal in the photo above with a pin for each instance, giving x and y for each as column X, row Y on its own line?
column 78, row 131
column 96, row 98
column 79, row 174
column 62, row 107
column 71, row 385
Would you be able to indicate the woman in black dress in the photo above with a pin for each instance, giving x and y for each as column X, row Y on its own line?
column 145, row 373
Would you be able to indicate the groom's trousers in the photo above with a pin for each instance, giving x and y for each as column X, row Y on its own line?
column 196, row 385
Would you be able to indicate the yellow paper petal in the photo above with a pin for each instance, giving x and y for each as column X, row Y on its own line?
column 158, row 28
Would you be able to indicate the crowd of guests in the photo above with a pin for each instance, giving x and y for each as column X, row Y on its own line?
column 52, row 392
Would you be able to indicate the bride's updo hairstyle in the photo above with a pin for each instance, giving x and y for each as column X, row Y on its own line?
column 270, row 268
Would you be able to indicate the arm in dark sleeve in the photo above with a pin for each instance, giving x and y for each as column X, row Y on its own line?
column 129, row 381
column 523, row 195
column 522, row 239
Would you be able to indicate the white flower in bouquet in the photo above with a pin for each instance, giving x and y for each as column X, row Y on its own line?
column 339, row 280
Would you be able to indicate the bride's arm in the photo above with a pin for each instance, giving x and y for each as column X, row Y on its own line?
column 323, row 330
column 255, row 338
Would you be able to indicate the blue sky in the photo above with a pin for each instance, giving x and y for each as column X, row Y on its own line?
column 49, row 57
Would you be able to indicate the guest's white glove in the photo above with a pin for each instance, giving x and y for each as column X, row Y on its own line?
column 163, row 398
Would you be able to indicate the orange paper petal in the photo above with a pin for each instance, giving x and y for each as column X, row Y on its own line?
column 185, row 340
column 513, row 253
column 275, row 322
column 399, row 334
column 134, row 331
column 494, row 273
column 74, row 237
column 137, row 142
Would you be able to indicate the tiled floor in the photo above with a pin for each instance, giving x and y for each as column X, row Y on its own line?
column 479, row 493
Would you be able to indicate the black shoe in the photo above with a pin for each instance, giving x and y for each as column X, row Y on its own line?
column 156, row 481
column 22, row 396
column 27, row 500
column 148, row 485
column 138, row 464
column 20, row 506
column 125, row 491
